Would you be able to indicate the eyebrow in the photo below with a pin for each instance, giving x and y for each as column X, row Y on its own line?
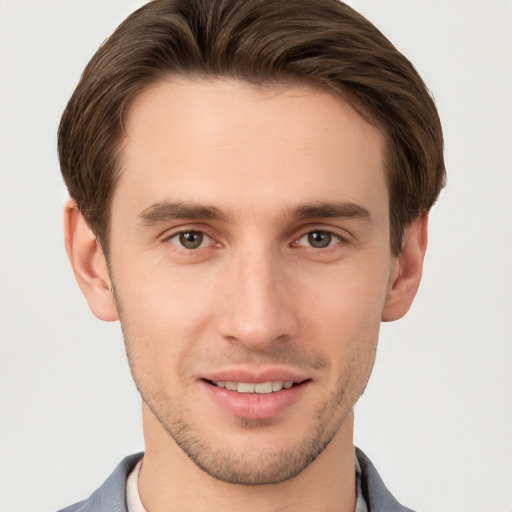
column 332, row 210
column 164, row 211
column 169, row 210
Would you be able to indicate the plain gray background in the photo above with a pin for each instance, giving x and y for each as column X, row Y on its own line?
column 437, row 416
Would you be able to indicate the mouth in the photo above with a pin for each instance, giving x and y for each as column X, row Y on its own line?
column 257, row 399
column 260, row 388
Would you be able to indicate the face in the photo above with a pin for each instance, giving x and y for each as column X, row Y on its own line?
column 251, row 263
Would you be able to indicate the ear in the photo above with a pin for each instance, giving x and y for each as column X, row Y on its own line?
column 407, row 272
column 89, row 264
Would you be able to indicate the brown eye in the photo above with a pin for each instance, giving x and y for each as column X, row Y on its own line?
column 190, row 239
column 319, row 239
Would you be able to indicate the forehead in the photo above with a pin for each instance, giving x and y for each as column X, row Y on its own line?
column 224, row 141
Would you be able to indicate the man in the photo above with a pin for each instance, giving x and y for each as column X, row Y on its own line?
column 250, row 183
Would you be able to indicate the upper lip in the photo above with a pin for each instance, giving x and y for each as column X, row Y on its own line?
column 255, row 375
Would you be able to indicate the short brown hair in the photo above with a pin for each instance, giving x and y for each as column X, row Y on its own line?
column 320, row 42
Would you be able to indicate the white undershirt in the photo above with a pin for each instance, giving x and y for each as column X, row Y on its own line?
column 134, row 503
column 132, row 490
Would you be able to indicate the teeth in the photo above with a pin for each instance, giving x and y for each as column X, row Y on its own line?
column 262, row 388
column 245, row 387
column 277, row 386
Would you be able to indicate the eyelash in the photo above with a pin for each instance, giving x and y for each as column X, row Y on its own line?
column 189, row 231
column 332, row 237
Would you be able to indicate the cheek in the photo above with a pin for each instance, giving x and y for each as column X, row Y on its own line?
column 164, row 315
column 162, row 295
column 348, row 331
column 344, row 309
column 350, row 293
column 349, row 336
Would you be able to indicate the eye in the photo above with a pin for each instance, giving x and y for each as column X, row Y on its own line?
column 318, row 239
column 190, row 239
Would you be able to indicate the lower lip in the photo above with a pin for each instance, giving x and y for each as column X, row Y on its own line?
column 255, row 406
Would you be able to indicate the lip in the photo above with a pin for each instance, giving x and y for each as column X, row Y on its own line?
column 254, row 406
column 255, row 376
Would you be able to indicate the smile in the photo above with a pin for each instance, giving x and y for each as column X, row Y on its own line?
column 262, row 388
column 259, row 398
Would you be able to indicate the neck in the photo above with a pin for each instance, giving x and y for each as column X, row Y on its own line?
column 170, row 480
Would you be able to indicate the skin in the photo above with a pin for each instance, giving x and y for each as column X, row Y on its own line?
column 258, row 176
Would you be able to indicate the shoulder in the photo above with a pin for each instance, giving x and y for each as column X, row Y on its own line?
column 111, row 496
column 376, row 494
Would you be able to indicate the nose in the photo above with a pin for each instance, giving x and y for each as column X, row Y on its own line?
column 257, row 301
